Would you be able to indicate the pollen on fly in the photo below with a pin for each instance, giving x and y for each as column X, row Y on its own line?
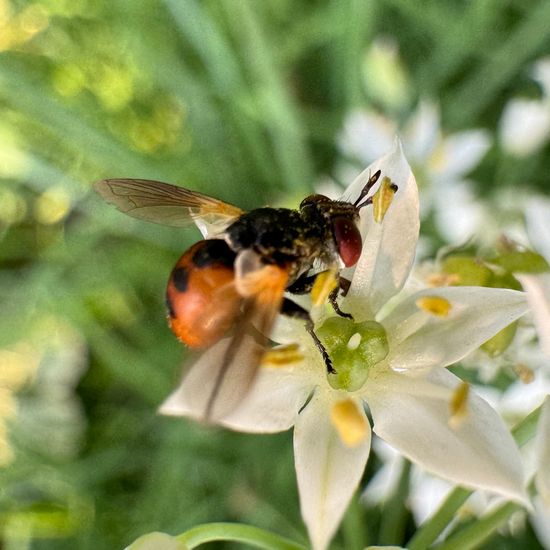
column 225, row 292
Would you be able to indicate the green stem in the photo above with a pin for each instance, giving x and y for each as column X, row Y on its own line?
column 394, row 514
column 246, row 534
column 523, row 432
column 430, row 530
column 477, row 533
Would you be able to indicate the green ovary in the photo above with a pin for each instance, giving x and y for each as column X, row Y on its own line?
column 354, row 349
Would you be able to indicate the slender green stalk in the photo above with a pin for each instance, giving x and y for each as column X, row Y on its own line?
column 523, row 432
column 394, row 514
column 430, row 530
column 480, row 530
column 246, row 534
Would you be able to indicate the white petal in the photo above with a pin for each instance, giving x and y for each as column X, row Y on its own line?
column 459, row 154
column 388, row 247
column 524, row 126
column 422, row 132
column 538, row 225
column 479, row 453
column 366, row 135
column 204, row 380
column 538, row 296
column 273, row 403
column 543, row 453
column 419, row 339
column 457, row 210
column 328, row 471
column 540, row 520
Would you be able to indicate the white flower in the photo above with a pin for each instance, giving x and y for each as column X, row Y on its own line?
column 538, row 286
column 441, row 162
column 391, row 358
column 525, row 123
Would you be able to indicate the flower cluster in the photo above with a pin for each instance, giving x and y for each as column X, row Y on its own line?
column 390, row 363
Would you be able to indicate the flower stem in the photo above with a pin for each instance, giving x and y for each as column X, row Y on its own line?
column 246, row 534
column 477, row 533
column 430, row 530
column 394, row 514
column 523, row 432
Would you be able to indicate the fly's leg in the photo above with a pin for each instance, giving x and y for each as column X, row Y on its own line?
column 295, row 311
column 304, row 284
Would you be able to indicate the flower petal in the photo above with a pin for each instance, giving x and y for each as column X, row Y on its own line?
column 543, row 453
column 273, row 403
column 366, row 135
column 422, row 132
column 206, row 393
column 459, row 154
column 328, row 471
column 420, row 339
column 538, row 296
column 524, row 126
column 478, row 453
column 388, row 247
column 457, row 210
column 538, row 225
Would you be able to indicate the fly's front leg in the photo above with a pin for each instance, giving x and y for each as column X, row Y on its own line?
column 292, row 309
column 343, row 285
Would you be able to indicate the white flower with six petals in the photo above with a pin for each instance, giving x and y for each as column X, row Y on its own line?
column 391, row 358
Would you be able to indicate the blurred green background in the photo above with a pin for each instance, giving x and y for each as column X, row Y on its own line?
column 241, row 99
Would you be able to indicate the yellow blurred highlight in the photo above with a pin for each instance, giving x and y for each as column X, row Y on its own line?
column 6, row 12
column 18, row 365
column 16, row 29
column 382, row 199
column 324, row 284
column 114, row 87
column 282, row 356
column 13, row 161
column 33, row 19
column 13, row 207
column 350, row 423
column 68, row 80
column 435, row 305
column 458, row 406
column 52, row 206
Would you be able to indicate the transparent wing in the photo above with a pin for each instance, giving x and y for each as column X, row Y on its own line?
column 217, row 383
column 159, row 202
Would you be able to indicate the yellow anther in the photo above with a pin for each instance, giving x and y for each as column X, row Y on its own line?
column 282, row 356
column 525, row 374
column 436, row 305
column 324, row 284
column 351, row 425
column 443, row 279
column 458, row 406
column 382, row 199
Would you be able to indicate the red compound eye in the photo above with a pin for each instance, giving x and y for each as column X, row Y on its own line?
column 348, row 240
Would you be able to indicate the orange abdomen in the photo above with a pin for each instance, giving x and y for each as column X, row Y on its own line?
column 201, row 296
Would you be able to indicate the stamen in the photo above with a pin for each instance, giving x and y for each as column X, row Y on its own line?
column 525, row 374
column 436, row 305
column 382, row 199
column 458, row 405
column 351, row 425
column 443, row 279
column 324, row 284
column 354, row 341
column 282, row 356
